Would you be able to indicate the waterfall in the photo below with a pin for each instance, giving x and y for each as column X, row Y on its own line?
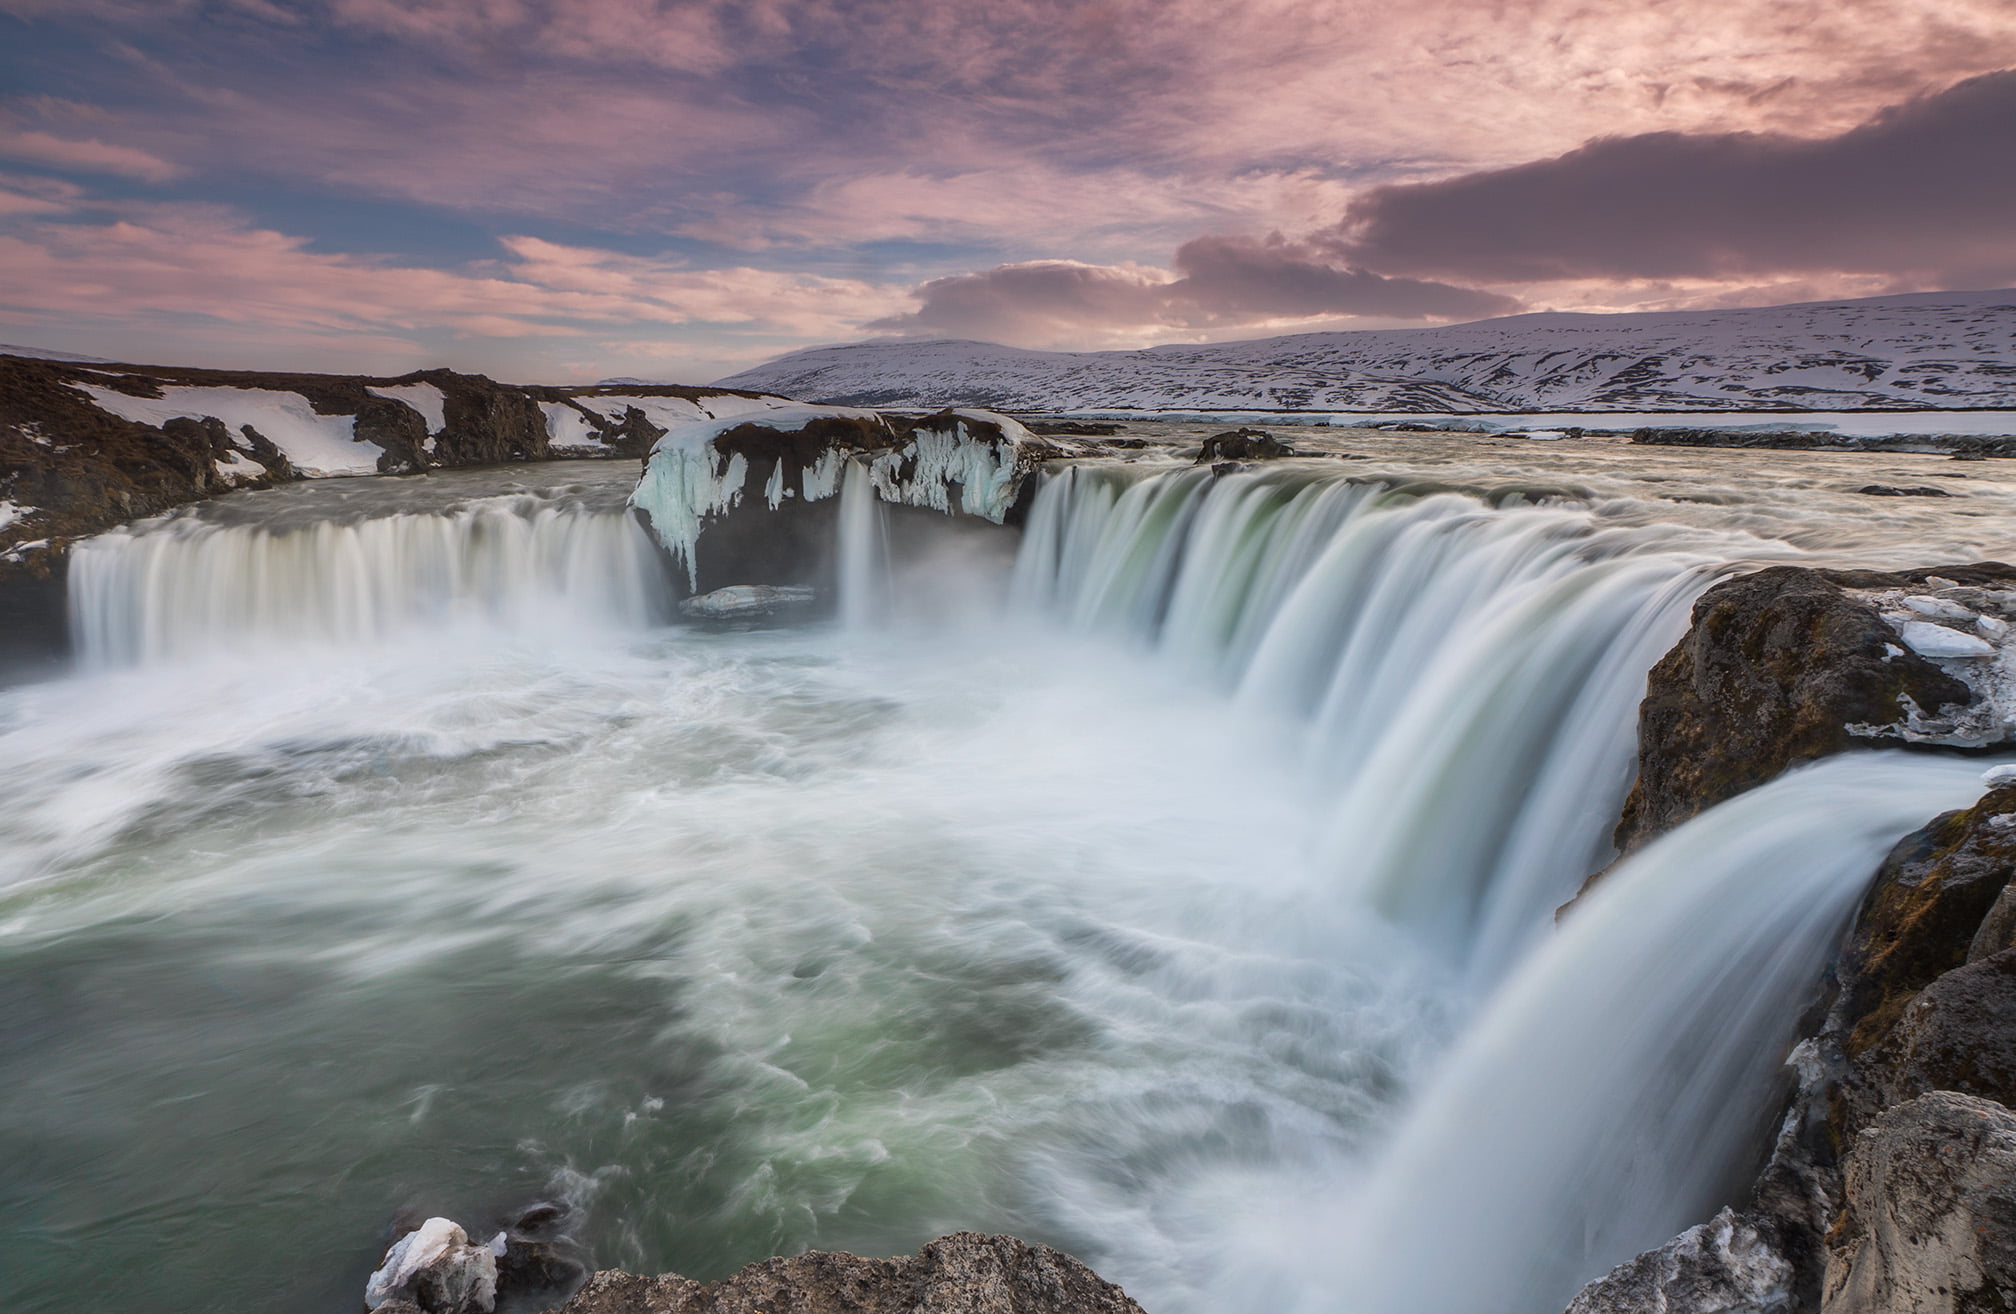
column 185, row 586
column 1598, row 1104
column 1463, row 680
column 863, row 549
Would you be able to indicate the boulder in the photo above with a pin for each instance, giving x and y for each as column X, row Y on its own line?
column 1242, row 445
column 1928, row 904
column 1928, row 1220
column 747, row 602
column 1779, row 667
column 438, row 1269
column 965, row 1273
column 1728, row 1265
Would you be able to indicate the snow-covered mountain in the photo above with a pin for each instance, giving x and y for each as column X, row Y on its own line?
column 1936, row 349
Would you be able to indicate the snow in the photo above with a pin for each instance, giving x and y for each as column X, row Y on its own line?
column 1923, row 350
column 567, row 427
column 239, row 468
column 319, row 446
column 422, row 397
column 10, row 512
column 1929, row 640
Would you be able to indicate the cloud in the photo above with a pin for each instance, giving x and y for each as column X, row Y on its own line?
column 1220, row 282
column 735, row 119
column 1923, row 192
column 197, row 266
column 88, row 156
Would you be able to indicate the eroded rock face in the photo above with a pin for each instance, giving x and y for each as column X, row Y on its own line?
column 1928, row 1223
column 1783, row 666
column 1929, row 901
column 765, row 491
column 1243, row 445
column 965, row 1273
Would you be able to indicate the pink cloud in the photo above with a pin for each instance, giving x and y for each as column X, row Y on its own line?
column 88, row 156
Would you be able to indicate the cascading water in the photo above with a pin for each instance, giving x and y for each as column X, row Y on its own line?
column 1602, row 1100
column 486, row 889
column 862, row 552
column 1463, row 681
column 186, row 586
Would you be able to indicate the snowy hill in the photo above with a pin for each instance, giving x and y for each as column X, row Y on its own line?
column 1935, row 349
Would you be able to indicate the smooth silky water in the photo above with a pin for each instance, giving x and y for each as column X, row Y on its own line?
column 1183, row 900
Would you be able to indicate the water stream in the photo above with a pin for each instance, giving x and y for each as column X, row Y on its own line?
column 1192, row 911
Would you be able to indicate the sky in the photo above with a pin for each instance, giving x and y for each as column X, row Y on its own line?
column 563, row 190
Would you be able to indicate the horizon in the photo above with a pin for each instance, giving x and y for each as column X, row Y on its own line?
column 683, row 189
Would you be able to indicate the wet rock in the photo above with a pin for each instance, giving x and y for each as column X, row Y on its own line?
column 1779, row 667
column 1929, row 901
column 1957, row 1034
column 1073, row 428
column 436, row 1268
column 965, row 1273
column 1727, row 1265
column 1928, row 1224
column 1243, row 445
column 1894, row 490
column 748, row 602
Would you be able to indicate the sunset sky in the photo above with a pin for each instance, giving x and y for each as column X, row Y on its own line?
column 566, row 189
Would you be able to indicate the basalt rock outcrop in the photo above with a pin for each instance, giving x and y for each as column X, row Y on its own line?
column 1889, row 1189
column 1791, row 664
column 87, row 446
column 965, row 1273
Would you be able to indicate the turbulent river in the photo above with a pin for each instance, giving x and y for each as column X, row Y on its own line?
column 1182, row 896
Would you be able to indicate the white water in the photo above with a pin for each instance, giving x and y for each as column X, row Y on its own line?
column 1461, row 682
column 1177, row 934
column 862, row 565
column 187, row 586
column 1604, row 1099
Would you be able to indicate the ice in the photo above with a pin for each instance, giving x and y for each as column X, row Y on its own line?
column 318, row 446
column 1929, row 640
column 1938, row 608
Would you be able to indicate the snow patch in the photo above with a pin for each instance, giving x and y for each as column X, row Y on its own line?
column 239, row 469
column 422, row 397
column 11, row 512
column 318, row 446
column 567, row 427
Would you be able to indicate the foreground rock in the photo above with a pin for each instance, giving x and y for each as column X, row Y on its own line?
column 965, row 1273
column 1928, row 1221
column 436, row 1269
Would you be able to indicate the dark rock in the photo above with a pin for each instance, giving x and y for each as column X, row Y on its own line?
column 1774, row 671
column 1963, row 445
column 1958, row 1034
column 1891, row 490
column 1929, row 901
column 1928, row 1220
column 396, row 427
column 965, row 1273
column 1073, row 428
column 1243, row 445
